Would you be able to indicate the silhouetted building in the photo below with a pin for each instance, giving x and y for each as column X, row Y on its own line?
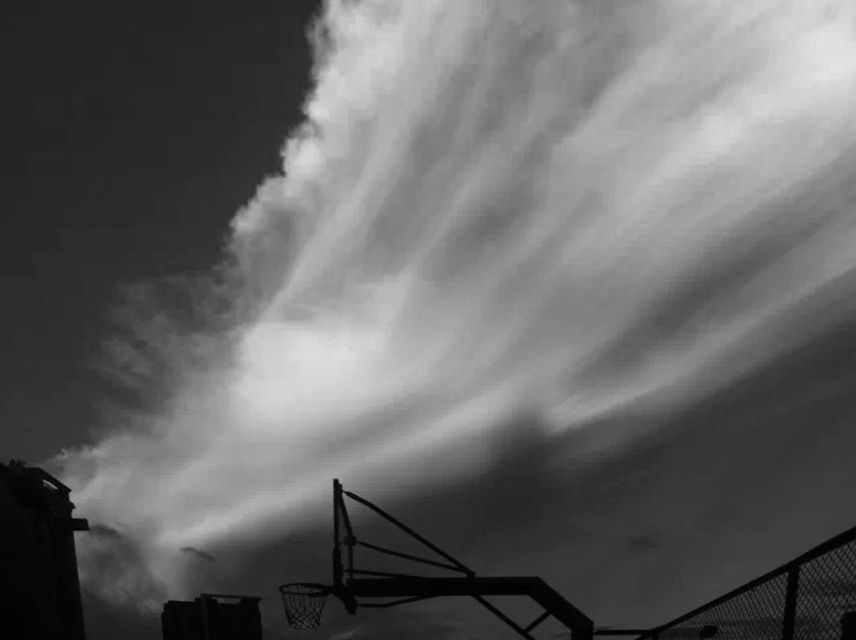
column 212, row 617
column 39, row 587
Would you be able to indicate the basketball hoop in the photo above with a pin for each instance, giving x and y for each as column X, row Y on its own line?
column 303, row 603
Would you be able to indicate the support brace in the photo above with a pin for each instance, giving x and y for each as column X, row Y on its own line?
column 538, row 590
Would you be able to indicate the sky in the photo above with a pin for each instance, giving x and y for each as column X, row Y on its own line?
column 132, row 136
column 132, row 133
column 574, row 277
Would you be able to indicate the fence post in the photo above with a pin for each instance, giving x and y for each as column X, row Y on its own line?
column 790, row 616
column 848, row 626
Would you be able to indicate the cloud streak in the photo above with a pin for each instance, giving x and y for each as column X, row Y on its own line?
column 569, row 211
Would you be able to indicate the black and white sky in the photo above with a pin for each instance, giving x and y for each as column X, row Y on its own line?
column 132, row 135
column 567, row 285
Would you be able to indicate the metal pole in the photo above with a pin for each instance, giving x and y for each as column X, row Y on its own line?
column 337, row 553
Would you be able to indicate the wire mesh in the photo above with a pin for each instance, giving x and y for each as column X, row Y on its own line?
column 822, row 603
column 827, row 591
column 753, row 615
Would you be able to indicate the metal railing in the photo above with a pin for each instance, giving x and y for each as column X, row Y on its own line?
column 810, row 598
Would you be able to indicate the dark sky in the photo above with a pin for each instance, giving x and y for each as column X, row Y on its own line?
column 132, row 133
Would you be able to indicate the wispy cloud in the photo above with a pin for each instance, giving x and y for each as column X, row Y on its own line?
column 199, row 553
column 569, row 211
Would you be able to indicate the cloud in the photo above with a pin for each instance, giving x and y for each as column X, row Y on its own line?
column 512, row 246
column 104, row 532
column 112, row 566
column 199, row 553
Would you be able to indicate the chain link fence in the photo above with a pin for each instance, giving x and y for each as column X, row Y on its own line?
column 810, row 598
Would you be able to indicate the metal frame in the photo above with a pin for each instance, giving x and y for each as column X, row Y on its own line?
column 348, row 583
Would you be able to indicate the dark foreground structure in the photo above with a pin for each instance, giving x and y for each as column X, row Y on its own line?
column 813, row 597
column 39, row 587
column 212, row 617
